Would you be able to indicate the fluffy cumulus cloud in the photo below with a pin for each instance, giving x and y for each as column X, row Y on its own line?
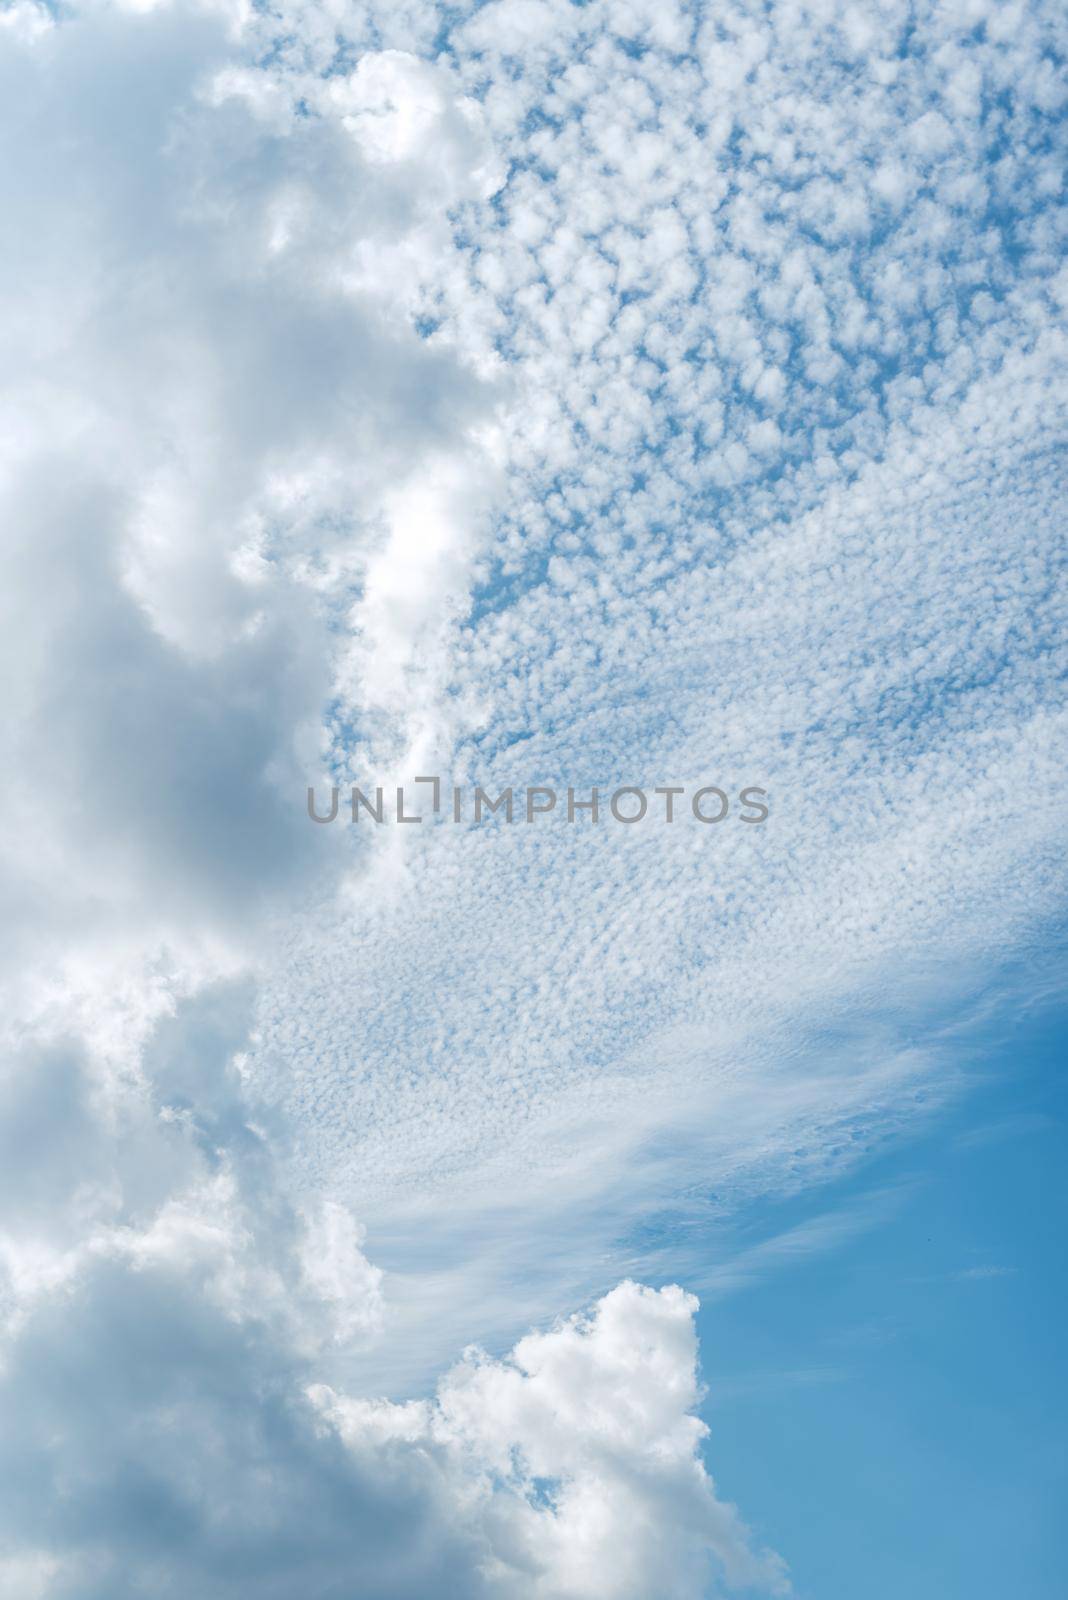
column 577, row 1455
column 168, row 1321
column 525, row 392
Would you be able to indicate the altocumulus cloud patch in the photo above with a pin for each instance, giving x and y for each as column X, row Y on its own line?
column 776, row 308
column 541, row 394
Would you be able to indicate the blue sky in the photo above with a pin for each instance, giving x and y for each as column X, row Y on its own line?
column 639, row 393
column 913, row 1381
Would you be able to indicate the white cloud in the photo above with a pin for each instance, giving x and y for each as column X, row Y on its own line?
column 166, row 1312
column 211, row 429
column 578, row 1456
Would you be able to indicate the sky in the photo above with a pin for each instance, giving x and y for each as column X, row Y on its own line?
column 556, row 395
column 895, row 1404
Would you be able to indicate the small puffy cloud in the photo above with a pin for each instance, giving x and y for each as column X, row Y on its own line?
column 399, row 109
